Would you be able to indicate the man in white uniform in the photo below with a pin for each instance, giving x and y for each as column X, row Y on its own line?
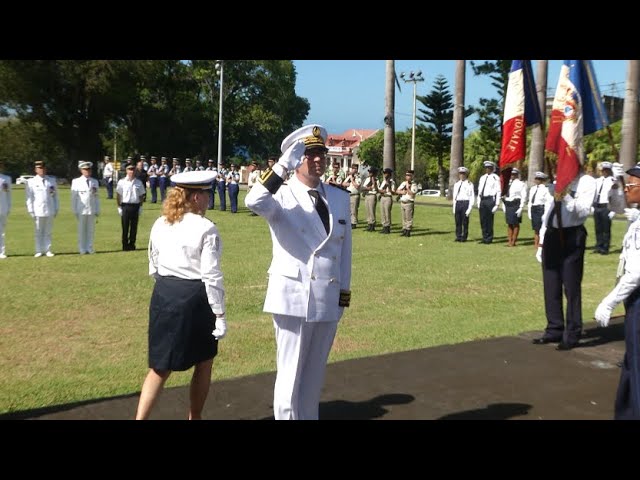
column 107, row 177
column 85, row 205
column 42, row 204
column 5, row 208
column 310, row 273
column 489, row 193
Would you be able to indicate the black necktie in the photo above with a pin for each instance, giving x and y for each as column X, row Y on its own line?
column 321, row 208
column 533, row 199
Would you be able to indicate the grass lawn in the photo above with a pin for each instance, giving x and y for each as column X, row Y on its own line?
column 74, row 327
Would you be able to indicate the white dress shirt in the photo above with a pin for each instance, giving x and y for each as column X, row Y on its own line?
column 130, row 191
column 42, row 196
column 189, row 249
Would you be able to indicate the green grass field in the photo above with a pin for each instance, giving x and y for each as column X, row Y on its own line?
column 74, row 328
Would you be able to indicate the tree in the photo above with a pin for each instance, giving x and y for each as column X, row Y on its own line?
column 629, row 147
column 457, row 132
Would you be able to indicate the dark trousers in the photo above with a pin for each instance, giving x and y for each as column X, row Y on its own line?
column 162, row 184
column 486, row 218
column 222, row 188
column 212, row 196
column 109, row 185
column 627, row 405
column 234, row 189
column 153, row 185
column 129, row 219
column 603, row 226
column 462, row 221
column 562, row 268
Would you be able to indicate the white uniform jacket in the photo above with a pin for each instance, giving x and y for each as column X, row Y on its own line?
column 5, row 195
column 309, row 267
column 42, row 196
column 84, row 196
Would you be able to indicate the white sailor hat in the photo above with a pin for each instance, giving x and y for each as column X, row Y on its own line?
column 604, row 165
column 541, row 175
column 142, row 157
column 463, row 170
column 515, row 171
column 187, row 160
column 314, row 136
column 196, row 179
column 85, row 165
column 488, row 164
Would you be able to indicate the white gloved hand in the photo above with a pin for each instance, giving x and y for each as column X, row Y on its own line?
column 519, row 212
column 632, row 214
column 504, row 208
column 591, row 210
column 221, row 327
column 603, row 314
column 529, row 214
column 293, row 156
column 478, row 203
column 611, row 215
column 467, row 212
column 33, row 215
column 494, row 209
column 617, row 170
column 539, row 254
column 120, row 211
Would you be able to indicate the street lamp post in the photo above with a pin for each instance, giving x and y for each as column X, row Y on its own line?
column 415, row 78
column 220, row 71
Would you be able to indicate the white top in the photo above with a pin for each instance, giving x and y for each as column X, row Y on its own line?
column 130, row 191
column 517, row 190
column 107, row 171
column 352, row 184
column 233, row 177
column 463, row 190
column 5, row 195
column 42, row 196
column 387, row 187
column 253, row 178
column 603, row 187
column 574, row 208
column 84, row 196
column 489, row 186
column 411, row 186
column 538, row 195
column 189, row 249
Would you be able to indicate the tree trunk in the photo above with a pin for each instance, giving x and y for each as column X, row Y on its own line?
column 536, row 156
column 629, row 144
column 457, row 131
column 389, row 150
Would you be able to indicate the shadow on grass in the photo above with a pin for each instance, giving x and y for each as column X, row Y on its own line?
column 38, row 412
column 494, row 411
column 367, row 410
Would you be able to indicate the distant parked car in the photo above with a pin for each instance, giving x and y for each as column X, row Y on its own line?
column 429, row 193
column 22, row 179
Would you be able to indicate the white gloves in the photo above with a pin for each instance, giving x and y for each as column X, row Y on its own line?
column 632, row 214
column 611, row 215
column 468, row 212
column 504, row 208
column 494, row 209
column 140, row 210
column 591, row 210
column 519, row 212
column 529, row 214
column 120, row 211
column 221, row 327
column 478, row 202
column 539, row 254
column 292, row 157
column 603, row 314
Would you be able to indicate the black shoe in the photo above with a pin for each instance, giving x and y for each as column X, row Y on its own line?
column 353, row 225
column 566, row 346
column 544, row 340
column 619, row 364
column 596, row 250
column 408, row 234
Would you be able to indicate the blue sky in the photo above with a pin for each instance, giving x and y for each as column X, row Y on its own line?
column 348, row 94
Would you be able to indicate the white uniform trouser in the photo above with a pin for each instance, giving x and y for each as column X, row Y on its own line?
column 86, row 233
column 3, row 223
column 302, row 353
column 44, row 226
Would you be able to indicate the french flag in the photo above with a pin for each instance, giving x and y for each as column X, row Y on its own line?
column 577, row 111
column 521, row 110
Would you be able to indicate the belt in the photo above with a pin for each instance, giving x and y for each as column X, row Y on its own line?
column 601, row 205
column 127, row 204
column 406, row 201
column 372, row 194
column 354, row 194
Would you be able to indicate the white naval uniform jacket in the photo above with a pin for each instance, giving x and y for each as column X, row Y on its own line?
column 84, row 196
column 42, row 196
column 309, row 267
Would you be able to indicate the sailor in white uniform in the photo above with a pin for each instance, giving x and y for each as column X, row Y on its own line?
column 5, row 208
column 310, row 273
column 42, row 204
column 85, row 205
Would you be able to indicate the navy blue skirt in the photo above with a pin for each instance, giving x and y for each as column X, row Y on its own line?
column 180, row 325
column 536, row 217
column 510, row 214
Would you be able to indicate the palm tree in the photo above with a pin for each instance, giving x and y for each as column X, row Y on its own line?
column 389, row 151
column 457, row 132
column 629, row 146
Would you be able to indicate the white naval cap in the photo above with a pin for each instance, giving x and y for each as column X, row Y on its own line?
column 515, row 171
column 488, row 164
column 541, row 175
column 82, row 164
column 314, row 136
column 604, row 165
column 196, row 179
column 463, row 170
